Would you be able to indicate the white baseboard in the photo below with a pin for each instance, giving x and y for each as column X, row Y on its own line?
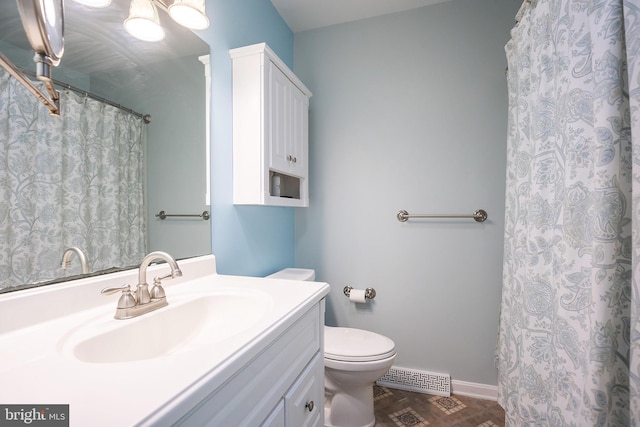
column 479, row 391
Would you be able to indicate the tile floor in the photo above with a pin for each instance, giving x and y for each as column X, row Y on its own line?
column 399, row 408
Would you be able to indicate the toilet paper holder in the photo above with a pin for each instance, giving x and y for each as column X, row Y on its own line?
column 369, row 293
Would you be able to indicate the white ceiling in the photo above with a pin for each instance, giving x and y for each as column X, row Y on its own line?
column 302, row 15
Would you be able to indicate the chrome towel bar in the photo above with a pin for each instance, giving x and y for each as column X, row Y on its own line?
column 204, row 215
column 479, row 215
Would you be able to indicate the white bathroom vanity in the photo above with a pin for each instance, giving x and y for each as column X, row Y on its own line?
column 226, row 351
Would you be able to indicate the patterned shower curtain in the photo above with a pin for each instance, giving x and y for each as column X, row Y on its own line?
column 569, row 343
column 69, row 181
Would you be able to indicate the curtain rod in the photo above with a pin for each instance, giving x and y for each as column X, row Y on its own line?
column 146, row 118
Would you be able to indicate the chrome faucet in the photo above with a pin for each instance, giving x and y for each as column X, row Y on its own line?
column 66, row 259
column 144, row 301
column 142, row 290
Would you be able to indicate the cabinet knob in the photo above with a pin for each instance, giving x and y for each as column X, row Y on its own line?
column 289, row 157
column 309, row 406
column 295, row 159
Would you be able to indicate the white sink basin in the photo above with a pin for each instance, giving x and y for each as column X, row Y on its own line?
column 159, row 365
column 189, row 322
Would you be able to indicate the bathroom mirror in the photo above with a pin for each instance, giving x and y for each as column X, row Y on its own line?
column 164, row 79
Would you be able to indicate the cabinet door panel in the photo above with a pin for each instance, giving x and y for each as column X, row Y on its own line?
column 276, row 418
column 299, row 131
column 247, row 399
column 279, row 137
column 304, row 402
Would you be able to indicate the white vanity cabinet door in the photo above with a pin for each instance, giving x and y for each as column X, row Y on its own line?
column 249, row 398
column 276, row 418
column 304, row 404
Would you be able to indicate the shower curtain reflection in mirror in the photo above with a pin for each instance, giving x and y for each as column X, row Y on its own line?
column 69, row 181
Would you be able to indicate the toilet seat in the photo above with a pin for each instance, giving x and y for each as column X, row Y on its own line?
column 356, row 345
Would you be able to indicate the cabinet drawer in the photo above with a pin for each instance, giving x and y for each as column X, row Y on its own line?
column 304, row 402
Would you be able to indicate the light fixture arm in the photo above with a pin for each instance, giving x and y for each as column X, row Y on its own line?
column 52, row 104
column 162, row 5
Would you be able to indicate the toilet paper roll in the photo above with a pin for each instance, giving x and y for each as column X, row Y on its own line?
column 357, row 295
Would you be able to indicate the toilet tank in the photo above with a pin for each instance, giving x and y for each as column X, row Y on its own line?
column 294, row 274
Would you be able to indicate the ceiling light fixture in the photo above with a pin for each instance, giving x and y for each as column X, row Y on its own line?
column 144, row 23
column 189, row 13
column 94, row 3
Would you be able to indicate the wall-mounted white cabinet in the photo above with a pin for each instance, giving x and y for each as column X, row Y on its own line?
column 270, row 130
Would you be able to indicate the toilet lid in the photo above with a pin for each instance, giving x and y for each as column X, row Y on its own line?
column 356, row 345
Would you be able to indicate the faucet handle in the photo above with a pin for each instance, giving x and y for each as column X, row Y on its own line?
column 110, row 291
column 127, row 300
column 157, row 291
column 156, row 280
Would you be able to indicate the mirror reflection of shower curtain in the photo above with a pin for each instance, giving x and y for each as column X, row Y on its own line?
column 74, row 180
column 569, row 343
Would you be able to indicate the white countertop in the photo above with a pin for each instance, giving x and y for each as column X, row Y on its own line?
column 38, row 366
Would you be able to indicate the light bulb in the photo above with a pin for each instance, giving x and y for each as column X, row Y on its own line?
column 143, row 22
column 94, row 3
column 189, row 13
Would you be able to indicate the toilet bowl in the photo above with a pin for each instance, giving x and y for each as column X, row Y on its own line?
column 353, row 360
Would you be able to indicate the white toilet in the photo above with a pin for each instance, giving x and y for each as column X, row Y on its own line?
column 353, row 360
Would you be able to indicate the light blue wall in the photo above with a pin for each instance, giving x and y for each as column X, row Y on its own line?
column 409, row 112
column 247, row 240
column 175, row 154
